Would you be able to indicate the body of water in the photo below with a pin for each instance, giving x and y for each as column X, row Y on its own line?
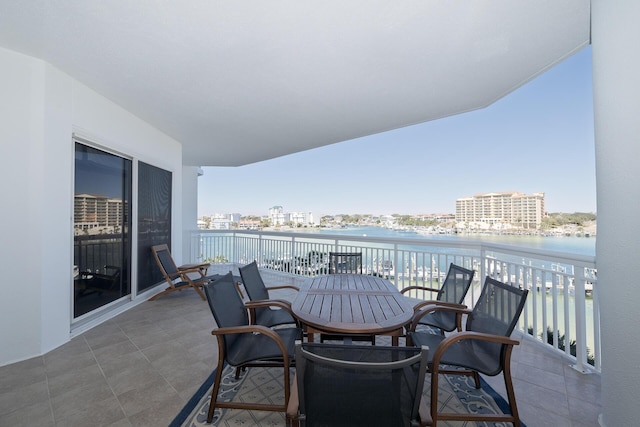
column 574, row 245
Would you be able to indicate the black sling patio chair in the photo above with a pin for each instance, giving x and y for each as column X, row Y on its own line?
column 484, row 346
column 348, row 385
column 345, row 262
column 451, row 293
column 241, row 344
column 179, row 278
column 257, row 291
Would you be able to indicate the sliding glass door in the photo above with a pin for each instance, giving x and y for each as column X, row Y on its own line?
column 102, row 241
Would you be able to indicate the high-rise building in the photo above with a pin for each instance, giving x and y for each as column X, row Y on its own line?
column 96, row 211
column 278, row 216
column 517, row 209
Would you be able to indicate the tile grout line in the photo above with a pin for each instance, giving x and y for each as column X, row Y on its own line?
column 124, row 413
column 152, row 365
column 46, row 378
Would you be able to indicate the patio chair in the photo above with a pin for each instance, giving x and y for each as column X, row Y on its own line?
column 345, row 262
column 452, row 293
column 241, row 344
column 178, row 278
column 257, row 291
column 484, row 346
column 350, row 385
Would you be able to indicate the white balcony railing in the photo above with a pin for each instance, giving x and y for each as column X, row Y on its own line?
column 561, row 310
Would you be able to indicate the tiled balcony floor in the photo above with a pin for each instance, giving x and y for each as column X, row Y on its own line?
column 140, row 368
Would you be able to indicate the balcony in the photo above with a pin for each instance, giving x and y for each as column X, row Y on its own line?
column 562, row 307
column 143, row 365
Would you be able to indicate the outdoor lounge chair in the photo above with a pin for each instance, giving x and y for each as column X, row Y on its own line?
column 257, row 291
column 179, row 278
column 484, row 346
column 349, row 385
column 345, row 262
column 241, row 344
column 452, row 293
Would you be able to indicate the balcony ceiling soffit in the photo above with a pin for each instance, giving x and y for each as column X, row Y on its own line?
column 241, row 82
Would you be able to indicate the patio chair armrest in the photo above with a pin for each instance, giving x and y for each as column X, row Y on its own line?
column 468, row 335
column 269, row 288
column 458, row 309
column 250, row 329
column 423, row 304
column 195, row 268
column 284, row 304
column 184, row 277
column 418, row 288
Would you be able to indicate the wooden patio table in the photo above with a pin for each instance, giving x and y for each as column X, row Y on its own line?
column 352, row 304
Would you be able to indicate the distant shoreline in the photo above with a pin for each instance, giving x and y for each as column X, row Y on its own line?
column 586, row 231
column 561, row 243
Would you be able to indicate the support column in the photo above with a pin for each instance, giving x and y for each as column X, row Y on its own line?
column 616, row 79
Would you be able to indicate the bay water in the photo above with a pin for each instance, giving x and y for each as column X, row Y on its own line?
column 567, row 244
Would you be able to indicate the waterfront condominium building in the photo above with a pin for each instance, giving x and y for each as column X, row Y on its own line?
column 517, row 209
column 93, row 212
column 278, row 216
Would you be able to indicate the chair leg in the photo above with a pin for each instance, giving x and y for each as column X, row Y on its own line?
column 287, row 385
column 199, row 291
column 476, row 379
column 508, row 383
column 434, row 397
column 292, row 422
column 511, row 396
column 158, row 295
column 216, row 388
column 172, row 289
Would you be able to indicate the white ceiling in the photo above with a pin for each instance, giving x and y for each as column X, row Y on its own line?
column 242, row 81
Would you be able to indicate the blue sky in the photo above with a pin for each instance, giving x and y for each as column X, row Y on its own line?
column 537, row 139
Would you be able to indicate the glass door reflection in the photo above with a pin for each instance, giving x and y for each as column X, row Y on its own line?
column 102, row 243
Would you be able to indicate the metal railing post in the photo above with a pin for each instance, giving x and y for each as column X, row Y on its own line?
column 395, row 264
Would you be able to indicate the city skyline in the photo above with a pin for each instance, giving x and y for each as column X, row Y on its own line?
column 539, row 138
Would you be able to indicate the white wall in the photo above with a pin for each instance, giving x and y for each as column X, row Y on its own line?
column 53, row 210
column 616, row 79
column 189, row 208
column 21, row 140
column 41, row 108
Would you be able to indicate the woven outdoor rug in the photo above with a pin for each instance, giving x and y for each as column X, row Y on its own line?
column 457, row 393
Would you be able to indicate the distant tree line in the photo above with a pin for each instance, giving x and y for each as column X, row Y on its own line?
column 412, row 221
column 559, row 219
column 345, row 218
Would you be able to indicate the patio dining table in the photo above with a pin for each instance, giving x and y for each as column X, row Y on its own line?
column 352, row 304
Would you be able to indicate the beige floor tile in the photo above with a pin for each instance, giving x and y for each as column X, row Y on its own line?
column 32, row 414
column 139, row 368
